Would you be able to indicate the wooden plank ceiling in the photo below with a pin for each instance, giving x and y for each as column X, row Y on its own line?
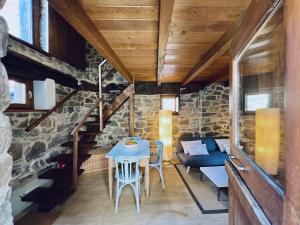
column 131, row 28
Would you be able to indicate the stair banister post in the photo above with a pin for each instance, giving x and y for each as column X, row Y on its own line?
column 75, row 159
column 100, row 95
column 131, row 130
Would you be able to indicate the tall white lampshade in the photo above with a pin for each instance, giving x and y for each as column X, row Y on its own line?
column 267, row 139
column 165, row 132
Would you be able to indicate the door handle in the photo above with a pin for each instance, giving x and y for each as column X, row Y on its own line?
column 238, row 167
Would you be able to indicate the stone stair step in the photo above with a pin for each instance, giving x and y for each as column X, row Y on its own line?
column 59, row 174
column 69, row 158
column 96, row 132
column 48, row 198
column 80, row 143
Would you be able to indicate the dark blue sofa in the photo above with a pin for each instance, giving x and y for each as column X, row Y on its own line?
column 215, row 157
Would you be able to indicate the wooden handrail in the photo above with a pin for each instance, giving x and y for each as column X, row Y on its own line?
column 44, row 116
column 80, row 124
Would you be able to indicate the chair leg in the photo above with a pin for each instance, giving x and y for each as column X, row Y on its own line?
column 162, row 177
column 137, row 196
column 188, row 169
column 140, row 188
column 117, row 197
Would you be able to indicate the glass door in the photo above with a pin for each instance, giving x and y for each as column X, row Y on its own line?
column 258, row 115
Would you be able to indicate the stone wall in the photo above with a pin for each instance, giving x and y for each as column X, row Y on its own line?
column 205, row 112
column 146, row 117
column 214, row 108
column 5, row 134
column 118, row 125
column 31, row 150
column 187, row 122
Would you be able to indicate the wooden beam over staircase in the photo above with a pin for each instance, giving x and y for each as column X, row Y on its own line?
column 119, row 101
column 75, row 15
column 165, row 16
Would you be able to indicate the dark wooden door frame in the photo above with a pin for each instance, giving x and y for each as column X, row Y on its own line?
column 265, row 191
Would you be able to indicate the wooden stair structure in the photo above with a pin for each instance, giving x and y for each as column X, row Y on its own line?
column 66, row 173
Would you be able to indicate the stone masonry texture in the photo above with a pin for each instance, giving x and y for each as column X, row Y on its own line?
column 5, row 135
column 31, row 150
column 205, row 113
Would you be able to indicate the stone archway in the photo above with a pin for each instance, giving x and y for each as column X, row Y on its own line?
column 5, row 132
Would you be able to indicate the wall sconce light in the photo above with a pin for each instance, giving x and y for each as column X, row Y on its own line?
column 165, row 133
column 267, row 139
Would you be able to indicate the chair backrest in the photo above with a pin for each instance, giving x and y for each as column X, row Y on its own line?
column 136, row 138
column 160, row 150
column 127, row 168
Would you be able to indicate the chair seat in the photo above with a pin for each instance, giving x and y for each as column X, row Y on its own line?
column 129, row 181
column 154, row 162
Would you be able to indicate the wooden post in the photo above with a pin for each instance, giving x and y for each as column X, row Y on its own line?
column 291, row 214
column 132, row 113
column 100, row 94
column 75, row 160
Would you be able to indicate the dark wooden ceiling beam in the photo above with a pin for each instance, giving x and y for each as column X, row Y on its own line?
column 165, row 17
column 222, row 76
column 76, row 16
column 151, row 88
column 218, row 49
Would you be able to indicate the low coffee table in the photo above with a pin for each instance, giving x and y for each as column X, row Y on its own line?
column 217, row 175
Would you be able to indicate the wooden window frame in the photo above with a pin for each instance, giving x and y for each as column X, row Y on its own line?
column 170, row 95
column 29, row 99
column 36, row 16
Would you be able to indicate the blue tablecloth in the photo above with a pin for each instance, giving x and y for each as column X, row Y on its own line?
column 142, row 149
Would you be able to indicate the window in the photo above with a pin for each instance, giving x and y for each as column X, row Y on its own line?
column 28, row 21
column 170, row 102
column 256, row 101
column 259, row 88
column 18, row 14
column 20, row 93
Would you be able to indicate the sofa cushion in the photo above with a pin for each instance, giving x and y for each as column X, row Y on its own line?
column 211, row 144
column 179, row 147
column 215, row 158
column 188, row 145
column 198, row 150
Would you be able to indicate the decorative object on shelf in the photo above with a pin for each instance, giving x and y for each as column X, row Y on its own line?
column 44, row 94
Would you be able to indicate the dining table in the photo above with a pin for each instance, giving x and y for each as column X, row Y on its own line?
column 141, row 150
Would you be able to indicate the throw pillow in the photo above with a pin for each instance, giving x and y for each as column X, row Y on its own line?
column 198, row 150
column 227, row 147
column 187, row 145
column 221, row 143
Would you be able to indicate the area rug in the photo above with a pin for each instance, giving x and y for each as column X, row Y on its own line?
column 204, row 193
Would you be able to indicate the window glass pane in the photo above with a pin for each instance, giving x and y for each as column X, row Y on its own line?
column 256, row 101
column 261, row 91
column 18, row 14
column 168, row 104
column 44, row 35
column 17, row 92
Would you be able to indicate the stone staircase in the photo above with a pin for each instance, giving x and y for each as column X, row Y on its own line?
column 62, row 174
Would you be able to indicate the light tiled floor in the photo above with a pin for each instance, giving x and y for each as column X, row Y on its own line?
column 90, row 204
